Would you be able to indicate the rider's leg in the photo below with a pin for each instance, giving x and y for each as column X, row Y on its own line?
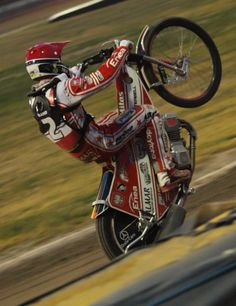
column 114, row 131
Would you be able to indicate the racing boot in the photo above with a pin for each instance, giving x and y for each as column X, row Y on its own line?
column 167, row 182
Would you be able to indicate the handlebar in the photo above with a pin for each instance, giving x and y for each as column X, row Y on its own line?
column 136, row 58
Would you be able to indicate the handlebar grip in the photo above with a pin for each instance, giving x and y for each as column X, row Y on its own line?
column 135, row 57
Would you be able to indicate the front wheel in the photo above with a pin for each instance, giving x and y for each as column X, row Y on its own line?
column 184, row 44
column 117, row 230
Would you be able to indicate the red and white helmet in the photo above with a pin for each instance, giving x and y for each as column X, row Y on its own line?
column 44, row 60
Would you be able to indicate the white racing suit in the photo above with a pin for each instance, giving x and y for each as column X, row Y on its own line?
column 78, row 133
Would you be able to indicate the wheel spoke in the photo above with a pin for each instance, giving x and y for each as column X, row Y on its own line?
column 193, row 42
column 181, row 43
column 166, row 47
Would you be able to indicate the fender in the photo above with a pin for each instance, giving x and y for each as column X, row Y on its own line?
column 101, row 205
column 140, row 49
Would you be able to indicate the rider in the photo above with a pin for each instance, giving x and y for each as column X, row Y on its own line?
column 62, row 118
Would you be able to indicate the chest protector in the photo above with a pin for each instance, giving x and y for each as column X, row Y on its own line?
column 51, row 119
column 42, row 111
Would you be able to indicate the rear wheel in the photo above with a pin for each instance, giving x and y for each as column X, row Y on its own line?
column 178, row 41
column 117, row 230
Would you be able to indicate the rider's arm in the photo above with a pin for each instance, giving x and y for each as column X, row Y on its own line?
column 71, row 91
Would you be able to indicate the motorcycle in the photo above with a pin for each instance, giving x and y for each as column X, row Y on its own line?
column 179, row 61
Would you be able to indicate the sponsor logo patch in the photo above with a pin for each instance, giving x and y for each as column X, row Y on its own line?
column 114, row 61
column 123, row 118
column 151, row 144
column 121, row 101
column 118, row 199
column 121, row 187
column 99, row 76
column 124, row 135
column 134, row 199
column 144, row 169
column 148, row 199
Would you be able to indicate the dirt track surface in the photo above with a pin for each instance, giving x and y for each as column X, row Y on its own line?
column 36, row 275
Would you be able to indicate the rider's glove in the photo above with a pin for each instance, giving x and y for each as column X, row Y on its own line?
column 126, row 43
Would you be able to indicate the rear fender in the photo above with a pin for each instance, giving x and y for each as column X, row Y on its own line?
column 140, row 48
column 101, row 205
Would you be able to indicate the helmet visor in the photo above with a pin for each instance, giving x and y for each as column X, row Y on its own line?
column 42, row 68
column 52, row 68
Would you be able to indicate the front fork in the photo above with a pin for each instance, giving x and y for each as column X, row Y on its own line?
column 100, row 204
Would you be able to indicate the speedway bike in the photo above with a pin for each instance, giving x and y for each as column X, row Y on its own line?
column 178, row 60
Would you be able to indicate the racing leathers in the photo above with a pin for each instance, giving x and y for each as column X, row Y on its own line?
column 66, row 123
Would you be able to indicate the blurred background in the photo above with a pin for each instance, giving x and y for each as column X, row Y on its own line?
column 44, row 192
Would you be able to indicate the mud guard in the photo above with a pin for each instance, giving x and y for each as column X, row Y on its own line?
column 140, row 49
column 174, row 219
